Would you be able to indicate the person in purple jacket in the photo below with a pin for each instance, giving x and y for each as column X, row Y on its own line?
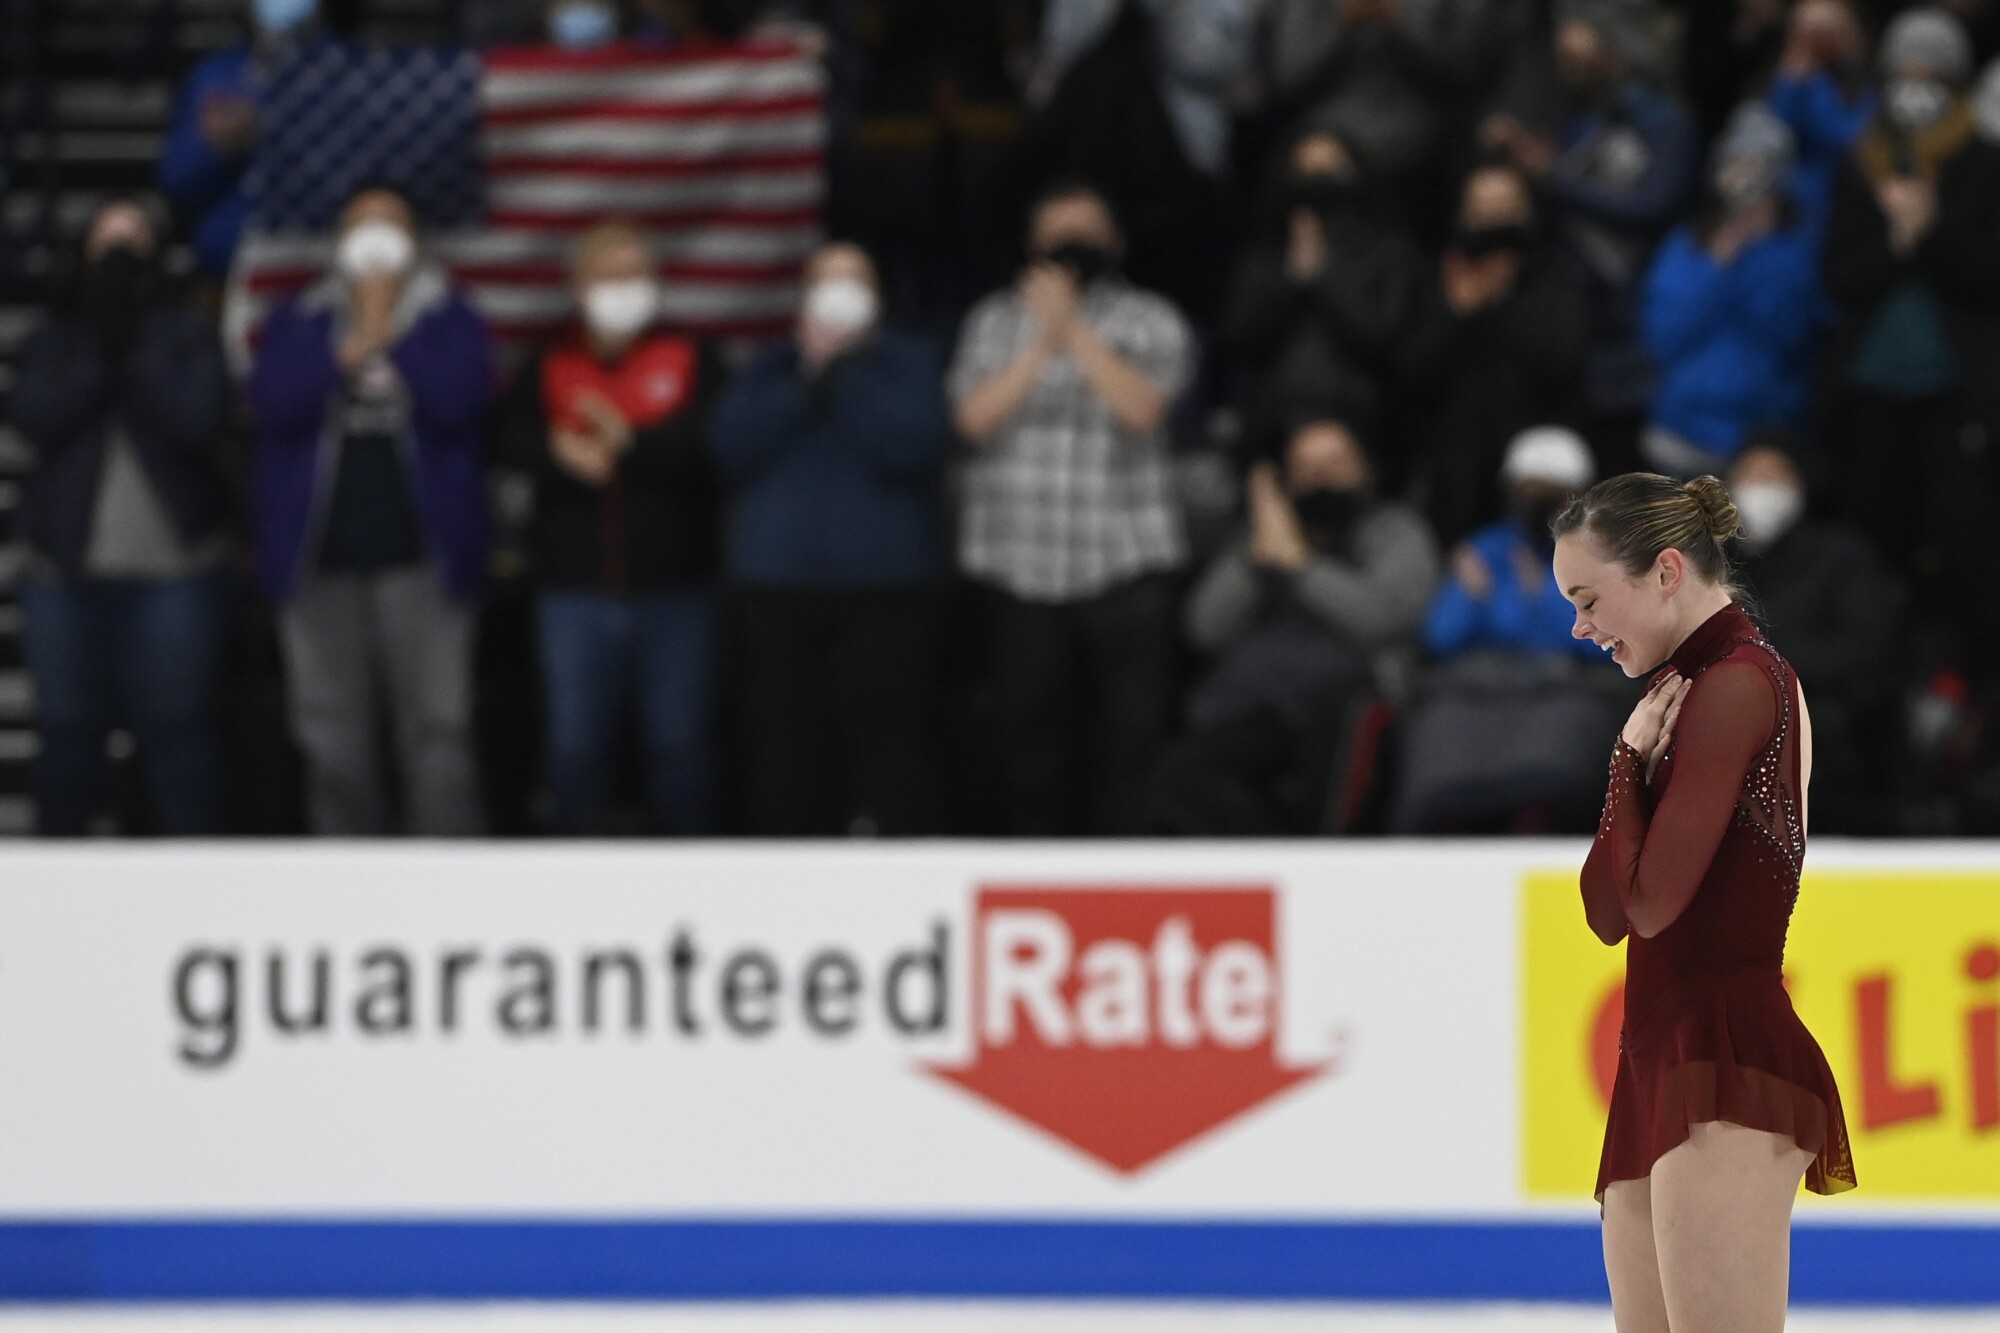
column 369, row 511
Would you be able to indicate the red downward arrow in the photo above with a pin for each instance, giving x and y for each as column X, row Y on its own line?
column 1125, row 1108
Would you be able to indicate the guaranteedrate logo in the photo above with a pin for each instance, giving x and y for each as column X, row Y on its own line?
column 1126, row 1021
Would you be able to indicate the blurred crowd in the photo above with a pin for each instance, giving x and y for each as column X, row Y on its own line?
column 1166, row 443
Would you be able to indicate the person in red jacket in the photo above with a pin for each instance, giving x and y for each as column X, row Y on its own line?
column 611, row 423
column 1722, row 1099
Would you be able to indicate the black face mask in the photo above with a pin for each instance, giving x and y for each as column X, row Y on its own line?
column 1086, row 262
column 1535, row 513
column 1320, row 191
column 1329, row 513
column 114, row 293
column 1479, row 242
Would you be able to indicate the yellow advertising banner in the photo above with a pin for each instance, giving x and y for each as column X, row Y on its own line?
column 1896, row 974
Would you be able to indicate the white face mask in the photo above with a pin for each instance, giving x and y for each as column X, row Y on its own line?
column 1915, row 104
column 621, row 307
column 841, row 305
column 375, row 247
column 1768, row 510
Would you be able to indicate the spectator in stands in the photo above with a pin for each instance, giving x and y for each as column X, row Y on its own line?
column 1062, row 384
column 1201, row 52
column 123, row 397
column 1507, row 731
column 1294, row 614
column 833, row 444
column 1616, row 161
column 1387, row 78
column 1500, row 592
column 1823, row 592
column 1327, row 297
column 215, row 128
column 370, row 392
column 1731, row 306
column 612, row 425
column 1911, row 262
column 1500, row 349
column 1823, row 92
column 1133, row 95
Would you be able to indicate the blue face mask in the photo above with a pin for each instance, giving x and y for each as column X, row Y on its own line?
column 581, row 26
column 280, row 16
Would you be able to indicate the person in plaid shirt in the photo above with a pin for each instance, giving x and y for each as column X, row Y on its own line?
column 1062, row 384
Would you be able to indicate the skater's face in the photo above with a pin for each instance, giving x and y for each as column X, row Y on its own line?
column 1628, row 615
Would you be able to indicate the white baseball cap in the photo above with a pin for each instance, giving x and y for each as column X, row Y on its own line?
column 1555, row 454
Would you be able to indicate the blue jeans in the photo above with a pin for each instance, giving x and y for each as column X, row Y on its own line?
column 140, row 652
column 601, row 655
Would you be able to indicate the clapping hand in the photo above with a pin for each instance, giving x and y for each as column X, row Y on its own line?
column 1471, row 285
column 1909, row 203
column 1469, row 568
column 591, row 453
column 228, row 123
column 1532, row 154
column 604, row 420
column 1277, row 539
column 1051, row 293
column 373, row 327
column 1305, row 251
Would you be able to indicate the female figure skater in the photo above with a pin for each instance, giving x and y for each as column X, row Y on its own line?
column 1722, row 1099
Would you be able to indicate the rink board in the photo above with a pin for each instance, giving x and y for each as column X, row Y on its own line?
column 1210, row 1072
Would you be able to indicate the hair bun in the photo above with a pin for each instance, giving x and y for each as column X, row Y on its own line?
column 1717, row 509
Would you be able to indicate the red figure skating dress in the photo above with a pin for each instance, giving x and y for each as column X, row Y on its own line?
column 1712, row 846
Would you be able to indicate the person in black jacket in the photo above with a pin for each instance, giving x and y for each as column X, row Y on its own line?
column 612, row 427
column 1825, row 594
column 122, row 395
column 1324, row 302
column 1914, row 389
column 1501, row 348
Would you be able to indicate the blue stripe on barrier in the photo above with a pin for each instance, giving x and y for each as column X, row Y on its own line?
column 659, row 1260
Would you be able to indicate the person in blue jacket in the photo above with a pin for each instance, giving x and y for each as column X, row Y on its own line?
column 1506, row 731
column 215, row 128
column 123, row 397
column 832, row 446
column 1824, row 93
column 1731, row 306
column 369, row 509
column 1501, row 593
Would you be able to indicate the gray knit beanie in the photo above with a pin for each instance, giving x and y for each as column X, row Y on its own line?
column 1932, row 39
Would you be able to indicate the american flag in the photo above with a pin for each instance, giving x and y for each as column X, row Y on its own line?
column 718, row 154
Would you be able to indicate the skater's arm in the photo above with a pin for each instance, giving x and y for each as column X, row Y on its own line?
column 1647, row 863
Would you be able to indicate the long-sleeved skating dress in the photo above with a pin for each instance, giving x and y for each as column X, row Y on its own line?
column 1700, row 869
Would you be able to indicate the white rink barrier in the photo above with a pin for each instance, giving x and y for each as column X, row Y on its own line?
column 564, row 1072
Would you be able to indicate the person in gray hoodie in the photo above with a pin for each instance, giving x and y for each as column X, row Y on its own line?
column 1294, row 613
